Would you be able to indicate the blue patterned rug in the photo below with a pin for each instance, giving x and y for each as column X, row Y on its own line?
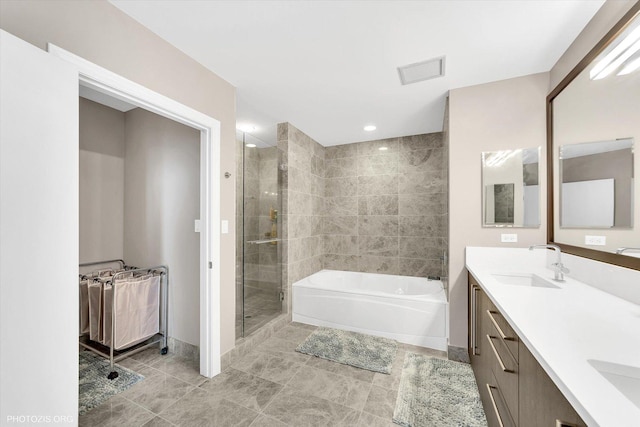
column 436, row 392
column 351, row 348
column 95, row 387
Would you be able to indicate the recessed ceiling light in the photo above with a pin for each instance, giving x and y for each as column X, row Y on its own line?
column 245, row 127
column 383, row 148
column 370, row 128
column 251, row 145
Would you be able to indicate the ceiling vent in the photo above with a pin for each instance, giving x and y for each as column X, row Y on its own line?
column 425, row 70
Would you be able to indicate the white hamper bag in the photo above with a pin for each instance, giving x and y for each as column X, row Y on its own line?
column 84, row 307
column 137, row 311
column 94, row 289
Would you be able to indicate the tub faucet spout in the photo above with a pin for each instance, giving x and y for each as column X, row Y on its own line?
column 558, row 268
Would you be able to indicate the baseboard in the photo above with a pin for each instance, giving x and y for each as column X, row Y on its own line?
column 184, row 349
column 458, row 354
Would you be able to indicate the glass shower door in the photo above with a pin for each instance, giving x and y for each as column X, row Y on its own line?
column 261, row 269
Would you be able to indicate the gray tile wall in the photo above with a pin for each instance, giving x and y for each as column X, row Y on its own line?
column 302, row 186
column 385, row 210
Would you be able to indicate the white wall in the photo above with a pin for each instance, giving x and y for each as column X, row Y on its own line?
column 101, row 182
column 496, row 116
column 162, row 200
column 38, row 235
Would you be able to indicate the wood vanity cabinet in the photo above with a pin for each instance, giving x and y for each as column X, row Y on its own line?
column 514, row 388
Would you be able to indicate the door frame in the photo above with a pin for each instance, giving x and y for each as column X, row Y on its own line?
column 112, row 84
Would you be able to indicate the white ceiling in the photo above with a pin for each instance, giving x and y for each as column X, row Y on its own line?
column 330, row 67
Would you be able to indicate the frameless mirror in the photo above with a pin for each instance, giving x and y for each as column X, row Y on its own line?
column 597, row 184
column 594, row 117
column 510, row 188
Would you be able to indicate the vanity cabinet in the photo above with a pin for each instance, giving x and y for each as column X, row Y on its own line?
column 514, row 389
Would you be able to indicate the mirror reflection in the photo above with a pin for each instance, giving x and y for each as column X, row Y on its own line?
column 511, row 190
column 597, row 184
column 595, row 120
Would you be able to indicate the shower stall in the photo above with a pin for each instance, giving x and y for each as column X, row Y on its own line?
column 258, row 265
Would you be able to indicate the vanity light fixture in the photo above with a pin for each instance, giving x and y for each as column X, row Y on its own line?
column 383, row 148
column 370, row 128
column 618, row 55
column 251, row 145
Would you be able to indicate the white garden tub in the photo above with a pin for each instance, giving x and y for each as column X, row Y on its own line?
column 411, row 310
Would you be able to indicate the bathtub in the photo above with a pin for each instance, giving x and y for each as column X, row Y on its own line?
column 411, row 310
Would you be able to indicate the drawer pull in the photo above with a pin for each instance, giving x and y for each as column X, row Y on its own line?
column 493, row 403
column 474, row 320
column 495, row 351
column 498, row 328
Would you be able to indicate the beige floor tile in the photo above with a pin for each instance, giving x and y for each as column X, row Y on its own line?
column 327, row 385
column 264, row 421
column 147, row 356
column 180, row 367
column 381, row 402
column 116, row 412
column 272, row 368
column 199, row 408
column 157, row 391
column 282, row 348
column 158, row 422
column 244, row 389
column 297, row 409
column 339, row 368
column 292, row 333
column 370, row 420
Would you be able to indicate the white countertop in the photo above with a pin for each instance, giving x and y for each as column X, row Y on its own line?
column 565, row 328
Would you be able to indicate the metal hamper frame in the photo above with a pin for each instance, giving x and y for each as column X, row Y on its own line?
column 161, row 337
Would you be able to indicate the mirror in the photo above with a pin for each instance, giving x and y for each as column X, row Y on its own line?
column 597, row 184
column 511, row 191
column 593, row 120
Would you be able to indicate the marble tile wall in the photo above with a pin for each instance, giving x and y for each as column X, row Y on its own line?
column 385, row 206
column 302, row 186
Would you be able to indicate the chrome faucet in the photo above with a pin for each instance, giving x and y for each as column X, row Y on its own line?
column 558, row 268
column 620, row 250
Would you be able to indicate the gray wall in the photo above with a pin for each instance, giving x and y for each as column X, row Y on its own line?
column 612, row 164
column 302, row 188
column 162, row 200
column 102, row 141
column 385, row 211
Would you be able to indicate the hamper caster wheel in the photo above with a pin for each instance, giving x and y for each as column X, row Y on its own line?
column 164, row 350
column 113, row 375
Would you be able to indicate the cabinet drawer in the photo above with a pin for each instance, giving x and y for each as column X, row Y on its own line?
column 505, row 371
column 503, row 329
column 497, row 412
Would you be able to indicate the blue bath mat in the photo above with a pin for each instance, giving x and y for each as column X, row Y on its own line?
column 351, row 348
column 95, row 387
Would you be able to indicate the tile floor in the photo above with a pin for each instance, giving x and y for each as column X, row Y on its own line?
column 260, row 307
column 271, row 386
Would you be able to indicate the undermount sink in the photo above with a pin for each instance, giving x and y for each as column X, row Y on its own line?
column 623, row 377
column 524, row 279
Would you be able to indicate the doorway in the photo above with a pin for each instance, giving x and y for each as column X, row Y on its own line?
column 105, row 82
